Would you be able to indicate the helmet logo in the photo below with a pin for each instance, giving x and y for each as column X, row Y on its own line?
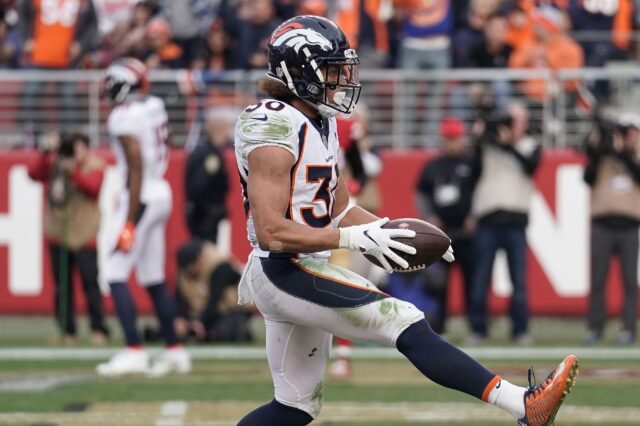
column 300, row 37
column 279, row 31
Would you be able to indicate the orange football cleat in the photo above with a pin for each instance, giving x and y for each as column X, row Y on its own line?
column 542, row 402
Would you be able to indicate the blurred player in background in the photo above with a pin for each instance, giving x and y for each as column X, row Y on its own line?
column 298, row 210
column 139, row 131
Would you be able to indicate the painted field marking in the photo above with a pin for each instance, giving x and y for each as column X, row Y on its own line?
column 223, row 413
column 256, row 353
column 172, row 413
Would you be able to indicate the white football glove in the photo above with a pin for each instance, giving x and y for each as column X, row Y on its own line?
column 372, row 239
column 448, row 256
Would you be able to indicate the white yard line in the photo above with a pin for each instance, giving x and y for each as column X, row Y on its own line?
column 172, row 413
column 237, row 353
column 222, row 413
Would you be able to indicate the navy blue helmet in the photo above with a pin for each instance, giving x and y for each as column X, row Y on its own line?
column 312, row 57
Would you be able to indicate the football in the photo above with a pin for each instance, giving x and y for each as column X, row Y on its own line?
column 430, row 243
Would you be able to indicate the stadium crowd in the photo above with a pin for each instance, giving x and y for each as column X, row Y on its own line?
column 232, row 34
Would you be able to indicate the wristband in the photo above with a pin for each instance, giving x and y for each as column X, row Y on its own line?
column 344, row 212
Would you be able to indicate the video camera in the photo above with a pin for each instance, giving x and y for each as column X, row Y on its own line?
column 493, row 120
column 66, row 149
column 603, row 132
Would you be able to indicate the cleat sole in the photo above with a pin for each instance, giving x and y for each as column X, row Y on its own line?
column 570, row 382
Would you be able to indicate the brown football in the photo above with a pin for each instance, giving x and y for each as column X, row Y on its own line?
column 430, row 243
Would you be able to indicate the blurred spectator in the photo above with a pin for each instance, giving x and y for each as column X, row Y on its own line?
column 360, row 166
column 610, row 22
column 72, row 175
column 473, row 32
column 56, row 35
column 508, row 159
column 520, row 14
column 519, row 28
column 207, row 296
column 305, row 7
column 113, row 13
column 492, row 51
column 550, row 49
column 134, row 42
column 206, row 180
column 216, row 54
column 444, row 192
column 604, row 31
column 9, row 39
column 364, row 24
column 126, row 38
column 190, row 21
column 613, row 173
column 427, row 26
column 251, row 24
column 425, row 44
column 163, row 53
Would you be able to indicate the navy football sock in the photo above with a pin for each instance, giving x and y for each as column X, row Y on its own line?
column 126, row 312
column 275, row 413
column 442, row 362
column 165, row 311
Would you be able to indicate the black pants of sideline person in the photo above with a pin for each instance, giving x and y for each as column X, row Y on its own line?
column 463, row 251
column 63, row 261
column 605, row 242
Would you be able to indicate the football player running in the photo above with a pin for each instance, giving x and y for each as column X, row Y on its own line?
column 138, row 129
column 298, row 210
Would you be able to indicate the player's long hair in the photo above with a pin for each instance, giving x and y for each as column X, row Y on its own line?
column 275, row 89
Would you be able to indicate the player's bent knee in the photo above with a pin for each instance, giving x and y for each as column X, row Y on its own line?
column 309, row 402
column 401, row 314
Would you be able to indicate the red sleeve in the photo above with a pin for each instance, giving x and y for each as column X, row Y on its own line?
column 89, row 182
column 344, row 132
column 40, row 167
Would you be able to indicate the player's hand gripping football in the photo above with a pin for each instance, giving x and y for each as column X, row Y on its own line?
column 372, row 239
column 126, row 237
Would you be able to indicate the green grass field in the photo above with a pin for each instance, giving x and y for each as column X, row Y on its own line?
column 65, row 391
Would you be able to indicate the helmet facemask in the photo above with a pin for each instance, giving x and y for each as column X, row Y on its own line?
column 125, row 77
column 339, row 86
column 329, row 84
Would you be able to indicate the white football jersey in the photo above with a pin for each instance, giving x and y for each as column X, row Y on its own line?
column 146, row 120
column 314, row 175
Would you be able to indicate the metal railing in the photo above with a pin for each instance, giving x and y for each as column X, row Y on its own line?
column 405, row 107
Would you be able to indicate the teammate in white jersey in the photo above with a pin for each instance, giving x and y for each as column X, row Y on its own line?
column 298, row 210
column 138, row 128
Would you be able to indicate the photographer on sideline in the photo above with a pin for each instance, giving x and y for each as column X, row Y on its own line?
column 72, row 176
column 207, row 295
column 508, row 158
column 613, row 173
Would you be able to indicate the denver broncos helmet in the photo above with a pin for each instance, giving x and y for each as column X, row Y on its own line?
column 124, row 76
column 311, row 55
